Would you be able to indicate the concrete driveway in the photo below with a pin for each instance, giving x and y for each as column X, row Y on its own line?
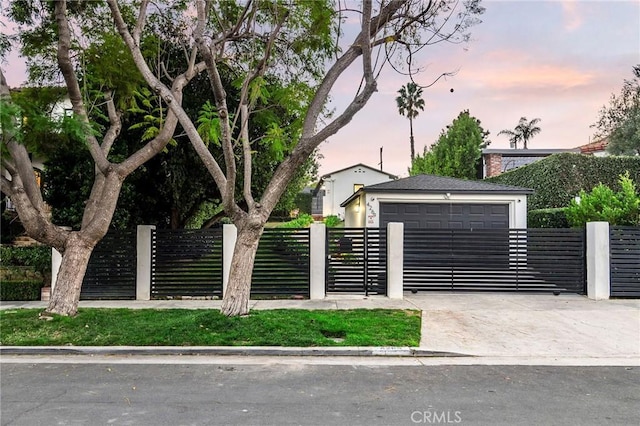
column 529, row 325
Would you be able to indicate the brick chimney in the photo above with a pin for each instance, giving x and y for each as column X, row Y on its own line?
column 493, row 164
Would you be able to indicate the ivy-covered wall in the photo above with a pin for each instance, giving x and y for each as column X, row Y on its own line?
column 559, row 178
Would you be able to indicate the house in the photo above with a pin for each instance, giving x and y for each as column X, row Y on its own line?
column 498, row 161
column 597, row 148
column 336, row 186
column 428, row 201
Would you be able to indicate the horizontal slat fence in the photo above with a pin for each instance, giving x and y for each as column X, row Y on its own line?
column 186, row 262
column 281, row 267
column 625, row 261
column 357, row 260
column 111, row 272
column 494, row 260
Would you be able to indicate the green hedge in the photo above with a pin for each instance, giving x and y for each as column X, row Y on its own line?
column 559, row 178
column 548, row 218
column 20, row 290
column 37, row 257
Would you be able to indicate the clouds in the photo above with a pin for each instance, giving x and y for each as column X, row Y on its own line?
column 555, row 60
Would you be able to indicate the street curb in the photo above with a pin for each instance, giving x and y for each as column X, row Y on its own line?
column 226, row 351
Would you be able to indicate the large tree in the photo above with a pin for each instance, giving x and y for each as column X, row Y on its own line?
column 523, row 132
column 620, row 120
column 301, row 42
column 409, row 104
column 49, row 40
column 457, row 151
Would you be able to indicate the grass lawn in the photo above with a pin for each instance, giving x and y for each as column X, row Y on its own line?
column 207, row 327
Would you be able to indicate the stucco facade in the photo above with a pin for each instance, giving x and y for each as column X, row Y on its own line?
column 341, row 184
column 364, row 211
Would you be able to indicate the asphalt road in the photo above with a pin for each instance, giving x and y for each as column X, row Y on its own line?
column 129, row 394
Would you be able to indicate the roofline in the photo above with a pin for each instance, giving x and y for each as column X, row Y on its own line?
column 516, row 191
column 528, row 152
column 358, row 165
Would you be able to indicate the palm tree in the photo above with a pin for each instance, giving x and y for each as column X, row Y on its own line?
column 409, row 102
column 524, row 131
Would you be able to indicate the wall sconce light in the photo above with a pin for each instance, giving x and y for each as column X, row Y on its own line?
column 358, row 206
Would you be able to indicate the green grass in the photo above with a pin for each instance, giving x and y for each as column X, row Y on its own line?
column 184, row 327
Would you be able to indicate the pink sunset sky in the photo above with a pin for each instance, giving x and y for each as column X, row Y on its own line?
column 559, row 61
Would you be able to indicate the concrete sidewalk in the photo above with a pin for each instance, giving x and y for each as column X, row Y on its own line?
column 474, row 324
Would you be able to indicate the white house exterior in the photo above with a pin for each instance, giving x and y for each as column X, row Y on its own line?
column 427, row 201
column 341, row 184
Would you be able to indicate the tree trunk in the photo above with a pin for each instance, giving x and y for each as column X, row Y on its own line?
column 236, row 297
column 413, row 149
column 65, row 297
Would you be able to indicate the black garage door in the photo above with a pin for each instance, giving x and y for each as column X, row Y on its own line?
column 446, row 215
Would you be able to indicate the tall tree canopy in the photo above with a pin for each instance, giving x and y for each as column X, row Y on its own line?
column 620, row 120
column 523, row 132
column 307, row 46
column 410, row 103
column 457, row 151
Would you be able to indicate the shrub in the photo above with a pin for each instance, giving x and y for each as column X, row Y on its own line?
column 558, row 178
column 302, row 221
column 20, row 290
column 332, row 221
column 37, row 257
column 603, row 204
column 548, row 218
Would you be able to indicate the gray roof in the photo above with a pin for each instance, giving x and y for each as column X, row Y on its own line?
column 429, row 184
column 527, row 152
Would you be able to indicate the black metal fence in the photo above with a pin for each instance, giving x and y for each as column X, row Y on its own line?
column 625, row 261
column 186, row 262
column 495, row 260
column 282, row 266
column 356, row 260
column 111, row 273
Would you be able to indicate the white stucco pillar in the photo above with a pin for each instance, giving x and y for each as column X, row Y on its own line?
column 229, row 237
column 598, row 263
column 143, row 261
column 395, row 260
column 317, row 261
column 56, row 261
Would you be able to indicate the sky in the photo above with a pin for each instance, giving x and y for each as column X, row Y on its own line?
column 557, row 60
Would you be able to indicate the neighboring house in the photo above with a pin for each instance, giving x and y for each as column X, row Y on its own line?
column 339, row 185
column 597, row 148
column 428, row 201
column 497, row 161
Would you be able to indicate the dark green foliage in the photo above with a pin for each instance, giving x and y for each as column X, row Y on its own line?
column 302, row 221
column 559, row 178
column 36, row 257
column 457, row 151
column 20, row 290
column 603, row 204
column 547, row 218
column 208, row 327
column 303, row 202
column 332, row 221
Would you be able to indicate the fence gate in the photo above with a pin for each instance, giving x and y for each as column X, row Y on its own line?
column 186, row 262
column 625, row 261
column 356, row 260
column 111, row 272
column 551, row 260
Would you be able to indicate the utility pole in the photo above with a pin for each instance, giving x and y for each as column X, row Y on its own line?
column 380, row 158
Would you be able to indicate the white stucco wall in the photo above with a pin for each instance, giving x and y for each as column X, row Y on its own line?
column 338, row 187
column 370, row 216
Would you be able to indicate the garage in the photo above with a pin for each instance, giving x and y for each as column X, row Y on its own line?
column 438, row 202
column 446, row 215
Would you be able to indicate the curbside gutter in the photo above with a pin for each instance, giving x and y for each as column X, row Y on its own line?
column 325, row 351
